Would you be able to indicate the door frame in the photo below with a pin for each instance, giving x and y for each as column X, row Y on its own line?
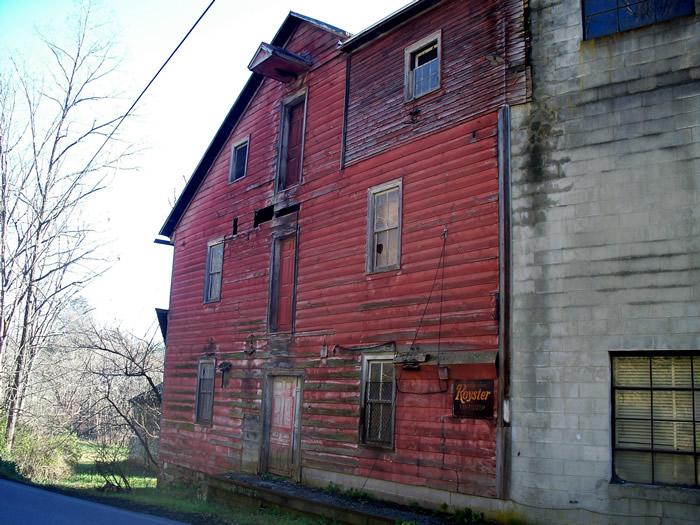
column 267, row 413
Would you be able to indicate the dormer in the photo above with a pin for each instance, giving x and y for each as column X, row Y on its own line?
column 278, row 63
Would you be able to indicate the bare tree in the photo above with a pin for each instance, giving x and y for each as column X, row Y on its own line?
column 127, row 374
column 48, row 173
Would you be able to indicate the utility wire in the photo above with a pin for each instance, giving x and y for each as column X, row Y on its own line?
column 143, row 92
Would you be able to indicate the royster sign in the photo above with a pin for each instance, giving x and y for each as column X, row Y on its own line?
column 473, row 399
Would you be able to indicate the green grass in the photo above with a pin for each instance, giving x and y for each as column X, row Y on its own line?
column 185, row 500
column 85, row 481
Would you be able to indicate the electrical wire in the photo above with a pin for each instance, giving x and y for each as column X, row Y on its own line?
column 143, row 91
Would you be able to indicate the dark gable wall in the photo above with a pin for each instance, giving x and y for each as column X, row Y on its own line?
column 378, row 117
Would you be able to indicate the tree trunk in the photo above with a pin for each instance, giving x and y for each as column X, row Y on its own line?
column 17, row 388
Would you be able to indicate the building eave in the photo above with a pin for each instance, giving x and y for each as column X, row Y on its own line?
column 387, row 24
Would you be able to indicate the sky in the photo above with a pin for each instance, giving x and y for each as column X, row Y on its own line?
column 172, row 124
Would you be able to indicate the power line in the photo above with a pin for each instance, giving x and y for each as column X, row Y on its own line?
column 143, row 91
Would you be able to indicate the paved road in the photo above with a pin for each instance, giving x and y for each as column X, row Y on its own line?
column 24, row 505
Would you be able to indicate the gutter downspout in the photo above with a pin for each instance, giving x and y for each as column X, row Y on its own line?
column 503, row 434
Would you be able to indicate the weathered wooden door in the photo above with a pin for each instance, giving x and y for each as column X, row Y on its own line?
column 283, row 425
column 294, row 143
column 284, row 309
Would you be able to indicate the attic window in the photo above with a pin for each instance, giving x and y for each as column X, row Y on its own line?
column 239, row 160
column 422, row 66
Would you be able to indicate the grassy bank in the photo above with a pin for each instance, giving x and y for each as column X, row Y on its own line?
column 179, row 503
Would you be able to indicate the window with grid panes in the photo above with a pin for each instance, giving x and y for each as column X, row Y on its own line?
column 605, row 17
column 379, row 402
column 205, row 392
column 656, row 423
column 384, row 235
column 422, row 63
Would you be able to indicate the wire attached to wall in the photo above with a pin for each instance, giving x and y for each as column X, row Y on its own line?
column 440, row 270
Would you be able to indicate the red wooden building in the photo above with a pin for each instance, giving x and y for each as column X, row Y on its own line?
column 340, row 255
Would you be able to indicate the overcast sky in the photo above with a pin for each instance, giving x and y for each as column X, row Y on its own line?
column 174, row 122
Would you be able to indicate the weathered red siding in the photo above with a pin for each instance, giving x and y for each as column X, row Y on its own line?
column 483, row 67
column 449, row 174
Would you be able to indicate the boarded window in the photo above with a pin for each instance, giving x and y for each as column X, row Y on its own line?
column 384, row 232
column 283, row 284
column 422, row 63
column 378, row 424
column 291, row 150
column 215, row 261
column 656, row 404
column 239, row 161
column 205, row 392
column 605, row 17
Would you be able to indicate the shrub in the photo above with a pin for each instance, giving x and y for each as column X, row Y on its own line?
column 44, row 458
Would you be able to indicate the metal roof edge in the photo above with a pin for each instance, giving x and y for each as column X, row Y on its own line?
column 321, row 25
column 387, row 23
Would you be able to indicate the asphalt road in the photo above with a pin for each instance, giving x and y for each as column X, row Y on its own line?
column 24, row 505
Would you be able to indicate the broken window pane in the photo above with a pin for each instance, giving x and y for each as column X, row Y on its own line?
column 386, row 214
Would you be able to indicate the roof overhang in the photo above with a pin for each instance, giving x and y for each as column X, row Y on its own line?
column 278, row 63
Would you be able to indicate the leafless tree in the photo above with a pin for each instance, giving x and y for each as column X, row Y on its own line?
column 49, row 170
column 127, row 374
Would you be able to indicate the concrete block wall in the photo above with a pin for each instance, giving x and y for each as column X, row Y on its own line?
column 606, row 252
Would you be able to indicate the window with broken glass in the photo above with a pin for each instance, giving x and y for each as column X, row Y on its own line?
column 205, row 392
column 379, row 397
column 384, row 232
column 656, row 409
column 605, row 17
column 215, row 261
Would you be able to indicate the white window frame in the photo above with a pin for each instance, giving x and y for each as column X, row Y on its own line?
column 370, row 266
column 208, row 273
column 232, row 163
column 409, row 78
column 366, row 360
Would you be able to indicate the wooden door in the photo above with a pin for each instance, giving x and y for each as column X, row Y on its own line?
column 284, row 307
column 283, row 425
column 295, row 140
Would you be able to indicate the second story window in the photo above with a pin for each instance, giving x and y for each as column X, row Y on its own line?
column 605, row 17
column 292, row 144
column 384, row 227
column 422, row 67
column 215, row 262
column 239, row 161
